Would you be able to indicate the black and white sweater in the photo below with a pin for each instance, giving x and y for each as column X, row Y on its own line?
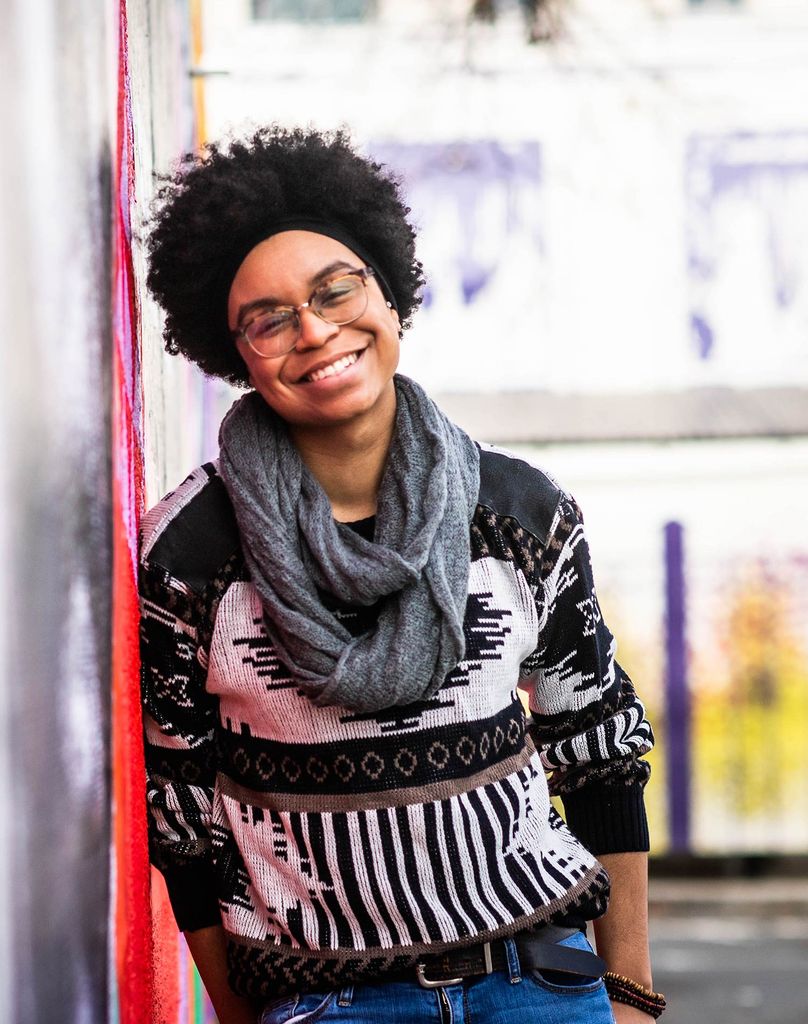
column 333, row 845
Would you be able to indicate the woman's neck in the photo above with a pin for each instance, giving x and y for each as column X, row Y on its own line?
column 348, row 461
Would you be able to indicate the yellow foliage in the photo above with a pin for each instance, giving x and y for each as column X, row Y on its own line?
column 750, row 725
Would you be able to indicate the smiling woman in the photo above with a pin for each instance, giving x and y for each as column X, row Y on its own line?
column 330, row 374
column 217, row 209
column 346, row 798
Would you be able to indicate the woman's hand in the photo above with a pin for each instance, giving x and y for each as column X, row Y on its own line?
column 209, row 950
column 629, row 1014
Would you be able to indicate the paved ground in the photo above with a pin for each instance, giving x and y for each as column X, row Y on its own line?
column 731, row 952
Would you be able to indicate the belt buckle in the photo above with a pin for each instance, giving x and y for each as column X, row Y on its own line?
column 424, row 982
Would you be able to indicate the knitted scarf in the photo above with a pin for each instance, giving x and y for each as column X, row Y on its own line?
column 416, row 566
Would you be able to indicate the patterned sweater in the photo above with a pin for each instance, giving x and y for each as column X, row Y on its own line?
column 333, row 845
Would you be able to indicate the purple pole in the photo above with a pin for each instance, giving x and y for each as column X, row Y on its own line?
column 677, row 698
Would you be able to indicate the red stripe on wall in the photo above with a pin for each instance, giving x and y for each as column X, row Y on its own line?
column 131, row 912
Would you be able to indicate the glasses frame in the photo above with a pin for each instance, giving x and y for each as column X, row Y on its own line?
column 363, row 274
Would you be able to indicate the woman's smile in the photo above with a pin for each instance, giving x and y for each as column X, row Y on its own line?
column 337, row 368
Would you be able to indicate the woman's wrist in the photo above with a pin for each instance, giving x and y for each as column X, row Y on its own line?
column 631, row 993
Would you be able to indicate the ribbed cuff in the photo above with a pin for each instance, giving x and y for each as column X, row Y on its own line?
column 192, row 892
column 608, row 819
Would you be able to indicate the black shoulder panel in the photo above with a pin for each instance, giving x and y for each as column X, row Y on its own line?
column 511, row 487
column 200, row 538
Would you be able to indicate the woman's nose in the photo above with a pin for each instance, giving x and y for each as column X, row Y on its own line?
column 314, row 331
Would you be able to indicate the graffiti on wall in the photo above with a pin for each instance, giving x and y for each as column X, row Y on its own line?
column 477, row 208
column 473, row 203
column 747, row 218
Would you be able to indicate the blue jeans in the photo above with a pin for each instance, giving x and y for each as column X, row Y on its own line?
column 504, row 997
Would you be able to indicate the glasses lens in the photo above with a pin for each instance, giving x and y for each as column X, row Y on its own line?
column 273, row 333
column 341, row 301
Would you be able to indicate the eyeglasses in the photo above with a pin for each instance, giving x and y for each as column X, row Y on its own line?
column 340, row 301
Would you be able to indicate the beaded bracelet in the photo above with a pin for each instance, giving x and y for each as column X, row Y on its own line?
column 632, row 993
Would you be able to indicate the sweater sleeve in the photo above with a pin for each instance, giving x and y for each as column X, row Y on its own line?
column 587, row 721
column 179, row 717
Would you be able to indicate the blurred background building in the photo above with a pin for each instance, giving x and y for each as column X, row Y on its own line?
column 613, row 201
column 612, row 198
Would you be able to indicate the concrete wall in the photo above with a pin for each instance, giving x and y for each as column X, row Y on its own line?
column 163, row 117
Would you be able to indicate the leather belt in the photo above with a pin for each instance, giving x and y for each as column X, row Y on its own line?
column 538, row 950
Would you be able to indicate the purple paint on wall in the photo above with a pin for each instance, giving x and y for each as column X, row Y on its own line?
column 677, row 697
column 763, row 179
column 702, row 334
column 461, row 179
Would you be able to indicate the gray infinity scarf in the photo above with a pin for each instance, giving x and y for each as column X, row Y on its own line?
column 417, row 565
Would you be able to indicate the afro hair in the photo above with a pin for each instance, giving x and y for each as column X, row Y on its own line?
column 223, row 202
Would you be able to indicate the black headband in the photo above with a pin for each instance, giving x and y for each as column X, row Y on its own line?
column 319, row 227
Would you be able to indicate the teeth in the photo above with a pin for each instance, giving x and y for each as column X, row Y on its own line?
column 333, row 368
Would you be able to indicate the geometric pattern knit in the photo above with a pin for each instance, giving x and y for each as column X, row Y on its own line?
column 333, row 844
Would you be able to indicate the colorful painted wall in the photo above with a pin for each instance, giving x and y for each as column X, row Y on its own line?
column 162, row 429
column 92, row 98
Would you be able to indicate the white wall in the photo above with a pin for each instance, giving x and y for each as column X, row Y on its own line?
column 174, row 426
column 593, row 284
